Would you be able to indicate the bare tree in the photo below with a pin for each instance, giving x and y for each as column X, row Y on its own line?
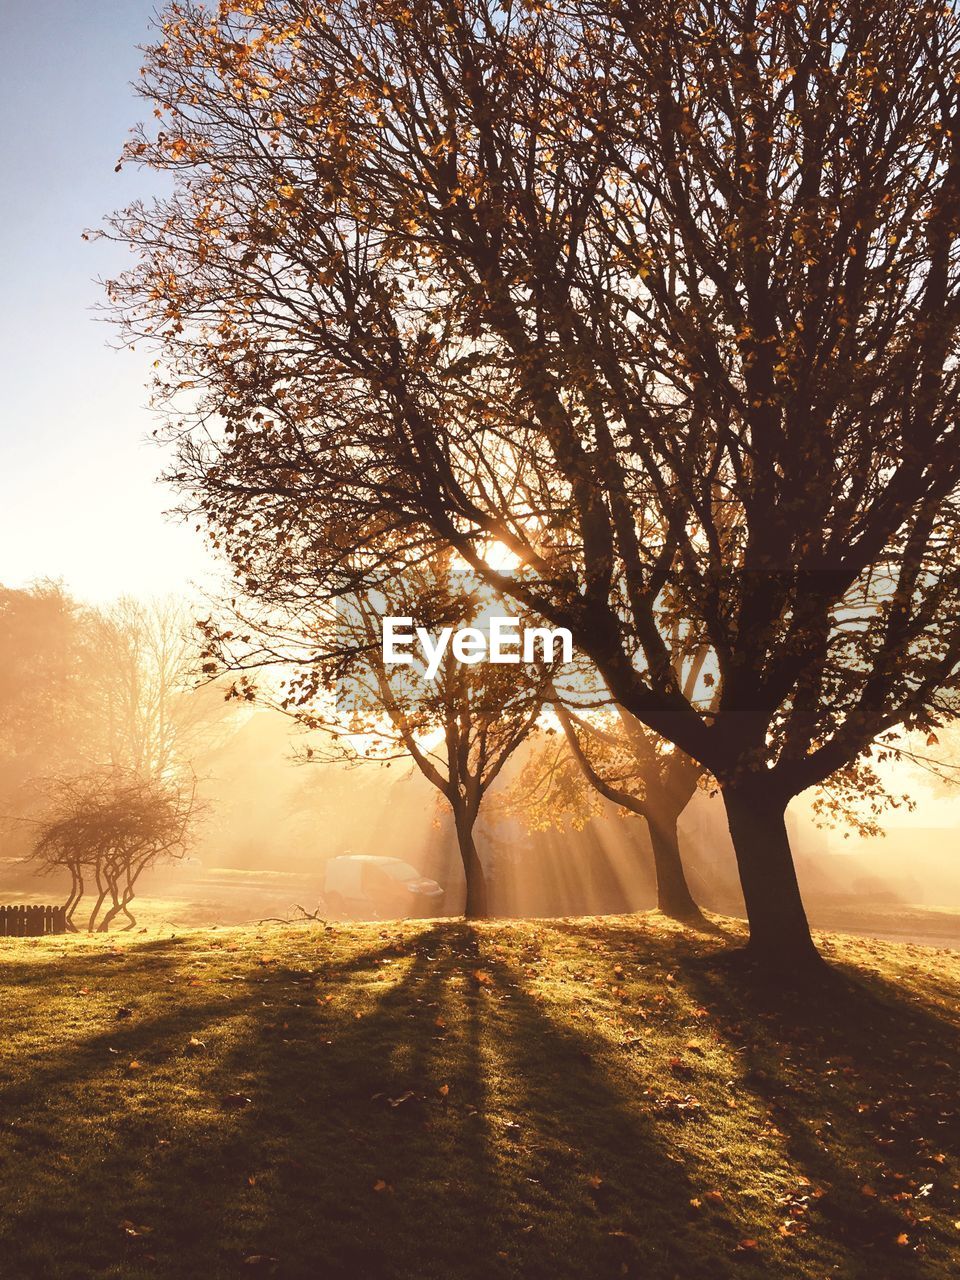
column 153, row 715
column 106, row 829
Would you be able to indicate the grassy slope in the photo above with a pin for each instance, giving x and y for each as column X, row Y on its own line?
column 536, row 1099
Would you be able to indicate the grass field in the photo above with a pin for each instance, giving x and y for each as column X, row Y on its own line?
column 596, row 1098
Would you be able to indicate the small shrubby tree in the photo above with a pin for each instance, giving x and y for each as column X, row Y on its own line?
column 105, row 829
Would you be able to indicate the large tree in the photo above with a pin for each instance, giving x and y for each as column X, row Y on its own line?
column 661, row 297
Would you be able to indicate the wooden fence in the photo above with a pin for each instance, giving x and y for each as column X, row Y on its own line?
column 31, row 922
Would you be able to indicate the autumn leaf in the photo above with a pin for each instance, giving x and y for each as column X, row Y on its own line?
column 235, row 1101
column 133, row 1230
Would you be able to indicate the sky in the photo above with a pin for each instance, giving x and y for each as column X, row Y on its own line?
column 79, row 499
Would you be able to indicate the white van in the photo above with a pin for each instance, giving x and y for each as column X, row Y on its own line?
column 366, row 887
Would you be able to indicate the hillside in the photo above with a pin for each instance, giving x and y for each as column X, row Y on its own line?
column 564, row 1098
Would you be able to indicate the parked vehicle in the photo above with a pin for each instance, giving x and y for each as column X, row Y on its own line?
column 364, row 886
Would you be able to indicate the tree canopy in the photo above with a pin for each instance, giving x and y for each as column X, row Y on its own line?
column 661, row 298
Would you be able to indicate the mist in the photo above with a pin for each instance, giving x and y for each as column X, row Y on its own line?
column 85, row 688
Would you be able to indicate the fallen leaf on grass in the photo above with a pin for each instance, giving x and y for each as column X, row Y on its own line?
column 404, row 1097
column 235, row 1101
column 131, row 1229
column 791, row 1227
column 382, row 1185
column 685, row 1108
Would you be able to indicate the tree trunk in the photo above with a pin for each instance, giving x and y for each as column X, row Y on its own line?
column 71, row 904
column 674, row 898
column 779, row 933
column 101, row 898
column 475, row 907
column 104, row 925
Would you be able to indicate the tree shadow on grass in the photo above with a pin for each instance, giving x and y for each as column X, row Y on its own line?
column 856, row 1074
column 457, row 1130
column 859, row 1075
column 446, row 1126
column 110, row 1096
column 416, row 1109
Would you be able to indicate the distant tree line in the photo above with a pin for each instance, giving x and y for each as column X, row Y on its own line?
column 100, row 720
